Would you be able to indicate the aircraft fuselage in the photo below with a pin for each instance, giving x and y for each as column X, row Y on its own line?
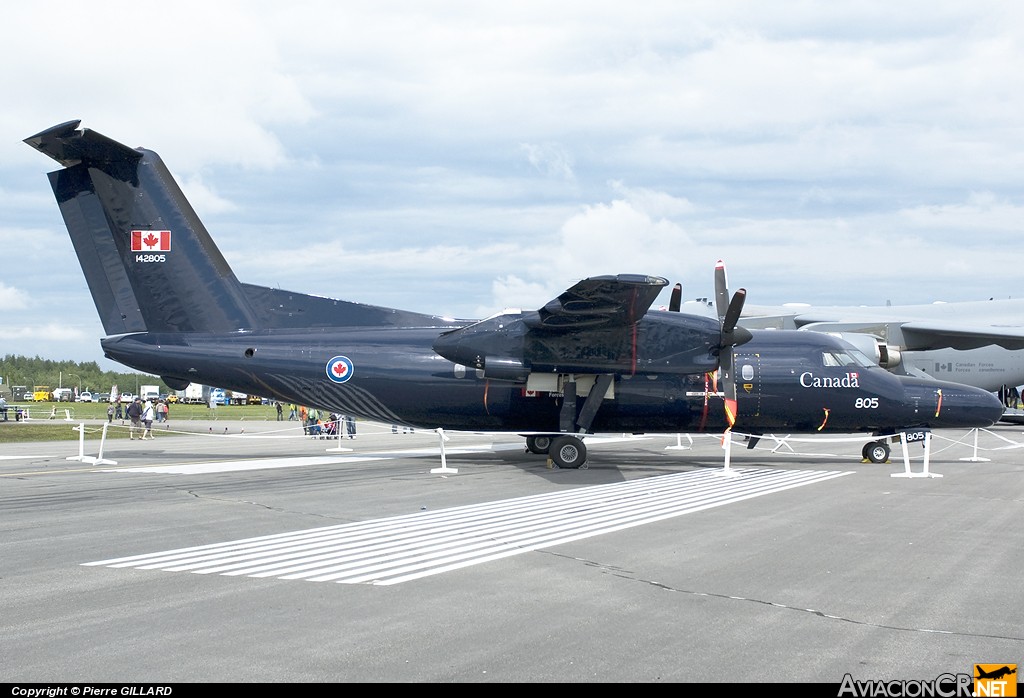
column 393, row 375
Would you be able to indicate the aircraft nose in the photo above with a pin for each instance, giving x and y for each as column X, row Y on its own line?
column 966, row 407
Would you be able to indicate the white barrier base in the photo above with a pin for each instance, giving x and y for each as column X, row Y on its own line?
column 94, row 460
column 906, row 458
column 679, row 443
column 976, row 458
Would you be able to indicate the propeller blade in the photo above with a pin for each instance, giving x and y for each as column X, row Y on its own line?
column 725, row 367
column 729, row 312
column 732, row 314
column 676, row 300
column 721, row 290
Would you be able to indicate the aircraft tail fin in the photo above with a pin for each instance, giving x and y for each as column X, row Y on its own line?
column 150, row 263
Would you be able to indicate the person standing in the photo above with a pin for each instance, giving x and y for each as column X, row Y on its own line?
column 134, row 414
column 3, row 407
column 350, row 426
column 110, row 413
column 280, row 410
column 147, row 420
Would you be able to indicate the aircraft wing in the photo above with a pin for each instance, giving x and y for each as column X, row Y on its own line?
column 606, row 301
column 590, row 328
column 941, row 335
column 920, row 333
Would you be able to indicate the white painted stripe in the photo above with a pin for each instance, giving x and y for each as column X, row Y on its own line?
column 226, row 466
column 403, row 548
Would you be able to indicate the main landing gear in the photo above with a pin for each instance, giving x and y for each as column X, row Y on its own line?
column 564, row 450
column 876, row 451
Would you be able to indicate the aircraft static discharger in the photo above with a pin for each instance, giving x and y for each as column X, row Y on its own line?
column 595, row 359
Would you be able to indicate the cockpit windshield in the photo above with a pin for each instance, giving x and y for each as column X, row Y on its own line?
column 846, row 357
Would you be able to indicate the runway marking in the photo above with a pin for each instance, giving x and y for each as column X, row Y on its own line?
column 404, row 548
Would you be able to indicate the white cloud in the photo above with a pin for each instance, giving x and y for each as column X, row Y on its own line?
column 12, row 298
column 467, row 158
column 550, row 159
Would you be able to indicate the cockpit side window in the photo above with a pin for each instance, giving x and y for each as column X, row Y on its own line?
column 837, row 358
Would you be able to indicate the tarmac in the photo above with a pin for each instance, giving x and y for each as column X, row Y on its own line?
column 247, row 552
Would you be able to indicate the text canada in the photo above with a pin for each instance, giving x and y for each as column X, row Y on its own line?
column 809, row 380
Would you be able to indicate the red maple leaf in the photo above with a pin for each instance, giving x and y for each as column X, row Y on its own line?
column 150, row 240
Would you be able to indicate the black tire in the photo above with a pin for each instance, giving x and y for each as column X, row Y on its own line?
column 877, row 452
column 538, row 444
column 568, row 452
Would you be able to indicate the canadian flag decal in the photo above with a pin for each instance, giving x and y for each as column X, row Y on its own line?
column 151, row 240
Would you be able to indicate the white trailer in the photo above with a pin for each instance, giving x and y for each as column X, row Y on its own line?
column 195, row 393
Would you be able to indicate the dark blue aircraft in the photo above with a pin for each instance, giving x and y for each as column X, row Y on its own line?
column 595, row 359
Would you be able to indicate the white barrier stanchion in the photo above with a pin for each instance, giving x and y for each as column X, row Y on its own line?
column 727, row 445
column 444, row 462
column 81, row 444
column 339, row 448
column 679, row 443
column 906, row 458
column 975, row 458
column 99, row 460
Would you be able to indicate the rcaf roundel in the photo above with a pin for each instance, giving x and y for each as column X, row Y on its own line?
column 339, row 369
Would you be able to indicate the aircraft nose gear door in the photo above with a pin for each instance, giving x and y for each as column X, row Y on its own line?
column 568, row 451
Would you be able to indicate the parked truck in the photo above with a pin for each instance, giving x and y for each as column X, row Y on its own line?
column 149, row 392
column 63, row 394
column 193, row 394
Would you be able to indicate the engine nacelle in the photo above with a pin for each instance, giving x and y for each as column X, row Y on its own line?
column 884, row 355
column 505, row 368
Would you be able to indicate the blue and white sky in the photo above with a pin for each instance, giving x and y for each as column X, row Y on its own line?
column 462, row 157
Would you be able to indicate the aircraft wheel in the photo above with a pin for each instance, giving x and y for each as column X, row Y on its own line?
column 568, row 452
column 538, row 444
column 877, row 451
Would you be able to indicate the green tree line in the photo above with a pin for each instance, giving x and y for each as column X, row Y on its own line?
column 33, row 371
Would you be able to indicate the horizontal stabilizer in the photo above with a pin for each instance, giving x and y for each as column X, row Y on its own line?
column 68, row 146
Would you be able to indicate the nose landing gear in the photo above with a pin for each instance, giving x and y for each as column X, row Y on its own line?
column 876, row 451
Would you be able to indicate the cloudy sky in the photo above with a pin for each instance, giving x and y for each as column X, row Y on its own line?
column 462, row 157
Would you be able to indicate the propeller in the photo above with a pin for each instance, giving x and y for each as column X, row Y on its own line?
column 731, row 336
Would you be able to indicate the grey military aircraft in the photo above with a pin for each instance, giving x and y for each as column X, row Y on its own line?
column 979, row 343
column 596, row 359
